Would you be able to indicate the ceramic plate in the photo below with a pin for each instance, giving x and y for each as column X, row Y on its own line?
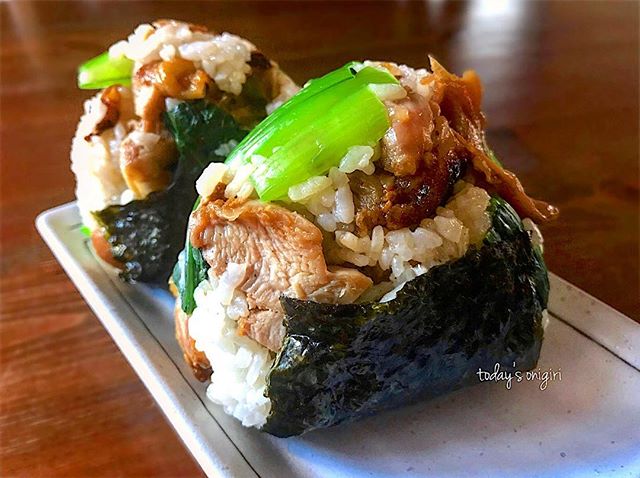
column 584, row 420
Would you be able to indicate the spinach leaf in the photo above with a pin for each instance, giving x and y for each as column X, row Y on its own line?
column 189, row 271
column 202, row 133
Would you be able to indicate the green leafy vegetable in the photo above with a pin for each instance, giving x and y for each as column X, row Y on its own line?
column 86, row 232
column 189, row 271
column 312, row 131
column 146, row 235
column 202, row 132
column 105, row 70
column 342, row 362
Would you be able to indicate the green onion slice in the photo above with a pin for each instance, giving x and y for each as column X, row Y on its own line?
column 310, row 133
column 105, row 70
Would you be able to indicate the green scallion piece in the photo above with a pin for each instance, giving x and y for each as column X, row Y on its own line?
column 105, row 70
column 287, row 111
column 310, row 133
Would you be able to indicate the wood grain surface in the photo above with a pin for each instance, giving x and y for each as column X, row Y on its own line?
column 561, row 96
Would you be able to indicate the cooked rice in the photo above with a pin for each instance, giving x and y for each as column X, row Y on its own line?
column 225, row 148
column 223, row 57
column 545, row 319
column 96, row 162
column 388, row 92
column 240, row 364
column 406, row 252
column 534, row 232
column 410, row 78
column 212, row 175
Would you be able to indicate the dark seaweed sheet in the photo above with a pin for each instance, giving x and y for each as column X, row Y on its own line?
column 146, row 235
column 342, row 362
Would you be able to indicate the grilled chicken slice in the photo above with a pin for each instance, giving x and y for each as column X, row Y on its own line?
column 282, row 252
column 409, row 138
column 146, row 161
column 421, row 160
column 116, row 105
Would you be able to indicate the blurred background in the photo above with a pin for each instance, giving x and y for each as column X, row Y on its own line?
column 561, row 98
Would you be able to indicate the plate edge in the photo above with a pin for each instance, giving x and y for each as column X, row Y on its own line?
column 190, row 436
column 192, row 439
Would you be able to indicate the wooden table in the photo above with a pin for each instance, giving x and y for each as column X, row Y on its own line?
column 562, row 101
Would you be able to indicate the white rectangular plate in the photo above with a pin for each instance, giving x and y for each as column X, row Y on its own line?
column 585, row 423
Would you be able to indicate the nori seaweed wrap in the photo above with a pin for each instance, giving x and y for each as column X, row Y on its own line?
column 175, row 97
column 360, row 249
